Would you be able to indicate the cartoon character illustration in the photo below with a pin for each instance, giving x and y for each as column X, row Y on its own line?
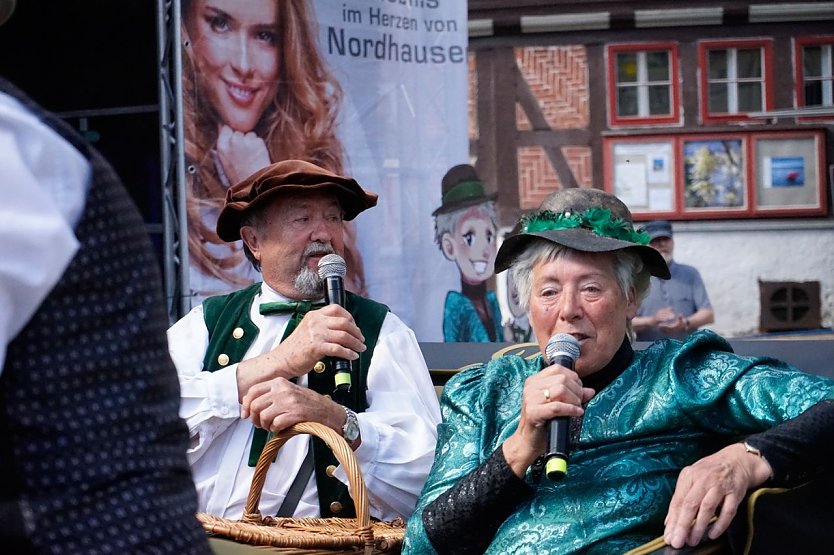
column 465, row 231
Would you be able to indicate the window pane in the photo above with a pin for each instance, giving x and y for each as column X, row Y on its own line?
column 658, row 65
column 812, row 61
column 749, row 62
column 626, row 68
column 627, row 101
column 717, row 62
column 829, row 67
column 813, row 93
column 718, row 98
column 749, row 97
column 659, row 100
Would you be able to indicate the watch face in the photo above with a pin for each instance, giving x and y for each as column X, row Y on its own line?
column 351, row 429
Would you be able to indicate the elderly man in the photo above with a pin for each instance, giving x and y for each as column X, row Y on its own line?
column 238, row 358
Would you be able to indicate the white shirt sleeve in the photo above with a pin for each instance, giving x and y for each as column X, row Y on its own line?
column 43, row 185
column 209, row 400
column 399, row 427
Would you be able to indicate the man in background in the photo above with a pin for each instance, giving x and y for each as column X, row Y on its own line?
column 92, row 455
column 673, row 308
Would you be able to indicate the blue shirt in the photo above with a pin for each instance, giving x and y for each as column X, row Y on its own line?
column 684, row 292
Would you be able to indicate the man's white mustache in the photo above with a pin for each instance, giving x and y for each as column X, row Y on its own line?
column 315, row 249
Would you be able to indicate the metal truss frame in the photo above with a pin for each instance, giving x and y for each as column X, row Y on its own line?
column 177, row 288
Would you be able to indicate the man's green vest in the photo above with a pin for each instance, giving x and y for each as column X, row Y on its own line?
column 232, row 332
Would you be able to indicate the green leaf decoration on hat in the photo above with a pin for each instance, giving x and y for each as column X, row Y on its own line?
column 598, row 220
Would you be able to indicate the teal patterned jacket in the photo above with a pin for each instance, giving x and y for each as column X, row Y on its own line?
column 675, row 403
column 461, row 322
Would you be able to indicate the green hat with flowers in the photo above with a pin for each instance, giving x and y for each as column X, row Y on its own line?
column 588, row 220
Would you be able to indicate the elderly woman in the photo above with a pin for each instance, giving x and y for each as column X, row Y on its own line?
column 642, row 423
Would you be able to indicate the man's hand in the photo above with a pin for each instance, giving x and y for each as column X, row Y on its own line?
column 714, row 485
column 673, row 326
column 328, row 331
column 278, row 404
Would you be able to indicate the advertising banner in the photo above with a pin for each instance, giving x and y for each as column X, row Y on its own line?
column 374, row 89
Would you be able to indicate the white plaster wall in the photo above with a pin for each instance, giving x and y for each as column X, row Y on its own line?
column 732, row 260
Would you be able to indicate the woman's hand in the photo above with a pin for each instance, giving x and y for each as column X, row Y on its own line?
column 240, row 154
column 553, row 392
column 714, row 485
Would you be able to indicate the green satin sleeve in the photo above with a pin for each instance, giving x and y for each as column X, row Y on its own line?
column 480, row 409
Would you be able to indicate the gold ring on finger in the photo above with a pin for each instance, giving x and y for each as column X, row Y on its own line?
column 546, row 393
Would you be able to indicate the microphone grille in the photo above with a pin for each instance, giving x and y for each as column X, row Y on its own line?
column 332, row 265
column 564, row 344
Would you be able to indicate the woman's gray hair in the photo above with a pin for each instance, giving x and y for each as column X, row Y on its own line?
column 628, row 269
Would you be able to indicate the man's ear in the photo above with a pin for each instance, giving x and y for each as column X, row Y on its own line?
column 250, row 238
column 447, row 246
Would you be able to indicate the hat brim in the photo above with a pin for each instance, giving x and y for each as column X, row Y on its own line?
column 582, row 240
column 466, row 203
column 352, row 198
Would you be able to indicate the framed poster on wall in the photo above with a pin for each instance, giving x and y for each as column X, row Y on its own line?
column 689, row 176
column 714, row 173
column 643, row 175
column 790, row 172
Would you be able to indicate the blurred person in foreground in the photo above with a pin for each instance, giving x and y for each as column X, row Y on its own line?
column 676, row 307
column 245, row 370
column 92, row 455
column 661, row 439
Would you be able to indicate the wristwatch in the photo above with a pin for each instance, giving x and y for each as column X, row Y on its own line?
column 350, row 431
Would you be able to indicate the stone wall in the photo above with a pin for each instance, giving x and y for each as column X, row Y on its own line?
column 734, row 256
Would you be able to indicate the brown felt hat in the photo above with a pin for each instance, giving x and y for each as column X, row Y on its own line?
column 588, row 220
column 263, row 186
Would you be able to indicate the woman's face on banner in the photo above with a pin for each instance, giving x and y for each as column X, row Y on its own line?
column 236, row 48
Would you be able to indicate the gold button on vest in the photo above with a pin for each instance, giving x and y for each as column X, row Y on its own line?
column 319, row 367
column 336, row 507
column 331, row 468
column 223, row 359
column 237, row 333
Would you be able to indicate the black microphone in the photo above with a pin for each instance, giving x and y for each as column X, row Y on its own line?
column 332, row 269
column 561, row 349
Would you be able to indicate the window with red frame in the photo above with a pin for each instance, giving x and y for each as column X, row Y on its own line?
column 816, row 63
column 735, row 79
column 643, row 82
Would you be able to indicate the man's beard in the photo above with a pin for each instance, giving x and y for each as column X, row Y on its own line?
column 307, row 281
